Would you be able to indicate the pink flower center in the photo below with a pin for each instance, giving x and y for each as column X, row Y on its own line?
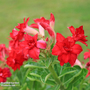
column 0, row 74
column 13, row 61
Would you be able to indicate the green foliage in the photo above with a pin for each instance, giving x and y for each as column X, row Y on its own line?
column 71, row 78
column 49, row 75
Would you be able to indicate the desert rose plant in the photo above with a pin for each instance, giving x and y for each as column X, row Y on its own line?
column 39, row 62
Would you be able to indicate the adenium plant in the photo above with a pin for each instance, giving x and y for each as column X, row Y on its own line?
column 44, row 63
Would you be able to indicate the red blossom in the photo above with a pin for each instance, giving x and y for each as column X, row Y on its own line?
column 21, row 26
column 31, row 46
column 52, row 20
column 4, row 73
column 87, row 54
column 15, row 59
column 48, row 25
column 16, row 36
column 66, row 49
column 48, row 28
column 3, row 52
column 38, row 21
column 78, row 34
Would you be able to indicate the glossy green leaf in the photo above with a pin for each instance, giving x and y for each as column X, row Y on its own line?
column 47, row 77
column 56, row 87
column 67, row 70
column 24, row 87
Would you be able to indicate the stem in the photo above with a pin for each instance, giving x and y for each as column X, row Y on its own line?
column 56, row 77
column 61, row 69
column 54, row 74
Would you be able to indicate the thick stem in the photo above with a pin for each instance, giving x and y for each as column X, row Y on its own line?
column 54, row 74
column 56, row 77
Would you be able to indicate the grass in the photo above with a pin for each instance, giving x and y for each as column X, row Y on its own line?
column 67, row 13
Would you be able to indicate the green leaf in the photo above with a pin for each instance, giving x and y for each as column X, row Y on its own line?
column 69, row 74
column 67, row 70
column 48, row 62
column 88, row 87
column 32, row 66
column 24, row 87
column 55, row 62
column 76, row 79
column 47, row 77
column 32, row 79
column 74, row 88
column 34, row 74
column 50, row 82
column 56, row 87
column 80, row 77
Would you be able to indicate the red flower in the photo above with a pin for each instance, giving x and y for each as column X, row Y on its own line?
column 48, row 25
column 66, row 49
column 31, row 46
column 52, row 20
column 87, row 54
column 15, row 59
column 48, row 28
column 3, row 52
column 17, row 36
column 78, row 34
column 42, row 19
column 21, row 26
column 4, row 73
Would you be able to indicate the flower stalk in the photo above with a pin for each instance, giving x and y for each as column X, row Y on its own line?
column 56, row 77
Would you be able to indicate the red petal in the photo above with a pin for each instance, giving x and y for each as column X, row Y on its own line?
column 27, row 37
column 44, row 25
column 34, row 26
column 35, row 38
column 61, row 63
column 72, row 59
column 86, row 55
column 72, row 29
column 83, row 42
column 56, row 50
column 76, row 49
column 48, row 28
column 65, row 57
column 37, row 20
column 34, row 53
column 52, row 18
column 59, row 37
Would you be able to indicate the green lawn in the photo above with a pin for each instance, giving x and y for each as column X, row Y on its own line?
column 67, row 13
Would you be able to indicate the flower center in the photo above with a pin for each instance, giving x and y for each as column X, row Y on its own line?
column 0, row 74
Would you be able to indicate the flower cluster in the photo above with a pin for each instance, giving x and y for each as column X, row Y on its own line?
column 28, row 41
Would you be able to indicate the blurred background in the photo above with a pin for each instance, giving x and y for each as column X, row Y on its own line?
column 66, row 12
